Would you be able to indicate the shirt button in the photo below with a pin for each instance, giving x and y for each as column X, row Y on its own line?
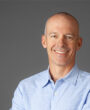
column 55, row 93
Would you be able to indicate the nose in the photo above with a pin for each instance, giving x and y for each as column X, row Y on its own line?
column 61, row 41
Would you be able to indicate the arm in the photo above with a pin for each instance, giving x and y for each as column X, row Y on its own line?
column 17, row 101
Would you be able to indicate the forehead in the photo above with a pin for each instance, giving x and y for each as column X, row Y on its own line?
column 61, row 23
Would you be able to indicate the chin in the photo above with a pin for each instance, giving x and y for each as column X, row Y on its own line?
column 64, row 63
column 61, row 64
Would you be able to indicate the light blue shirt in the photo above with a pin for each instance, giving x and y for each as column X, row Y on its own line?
column 39, row 92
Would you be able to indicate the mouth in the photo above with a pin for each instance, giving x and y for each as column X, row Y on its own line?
column 61, row 52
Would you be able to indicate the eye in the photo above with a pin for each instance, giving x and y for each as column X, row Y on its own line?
column 53, row 35
column 69, row 37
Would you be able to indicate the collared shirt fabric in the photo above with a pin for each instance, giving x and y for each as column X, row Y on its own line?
column 39, row 92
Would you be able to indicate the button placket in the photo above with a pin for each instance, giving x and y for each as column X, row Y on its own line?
column 55, row 95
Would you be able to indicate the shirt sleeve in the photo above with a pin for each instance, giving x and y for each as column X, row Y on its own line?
column 17, row 101
column 87, row 103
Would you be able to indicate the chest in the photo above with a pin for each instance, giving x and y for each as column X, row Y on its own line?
column 61, row 98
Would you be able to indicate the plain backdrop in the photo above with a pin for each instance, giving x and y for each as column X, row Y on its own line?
column 21, row 52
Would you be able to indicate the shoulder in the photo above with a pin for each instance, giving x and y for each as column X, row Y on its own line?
column 84, row 74
column 84, row 77
column 27, row 86
column 33, row 81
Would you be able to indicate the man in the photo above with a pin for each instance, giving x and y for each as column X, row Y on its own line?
column 62, row 86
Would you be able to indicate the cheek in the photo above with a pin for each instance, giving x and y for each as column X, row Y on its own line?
column 73, row 48
column 50, row 44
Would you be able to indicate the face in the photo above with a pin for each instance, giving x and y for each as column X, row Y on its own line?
column 61, row 40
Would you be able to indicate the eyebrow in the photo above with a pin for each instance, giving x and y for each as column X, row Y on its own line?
column 53, row 33
column 70, row 34
column 65, row 34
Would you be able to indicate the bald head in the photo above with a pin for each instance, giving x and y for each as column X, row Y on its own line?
column 62, row 17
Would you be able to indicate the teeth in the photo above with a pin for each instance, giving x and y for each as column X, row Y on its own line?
column 59, row 51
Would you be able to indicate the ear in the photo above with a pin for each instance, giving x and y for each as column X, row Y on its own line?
column 79, row 43
column 43, row 41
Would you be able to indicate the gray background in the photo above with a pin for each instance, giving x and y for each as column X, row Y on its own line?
column 21, row 53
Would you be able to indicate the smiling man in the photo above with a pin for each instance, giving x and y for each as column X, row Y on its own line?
column 62, row 40
column 63, row 86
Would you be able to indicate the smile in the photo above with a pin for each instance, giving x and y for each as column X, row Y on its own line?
column 60, row 52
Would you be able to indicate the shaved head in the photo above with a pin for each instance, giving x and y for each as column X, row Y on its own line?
column 60, row 16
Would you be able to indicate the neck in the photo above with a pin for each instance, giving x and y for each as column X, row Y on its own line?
column 58, row 72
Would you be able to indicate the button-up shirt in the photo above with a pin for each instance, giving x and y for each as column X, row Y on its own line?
column 39, row 92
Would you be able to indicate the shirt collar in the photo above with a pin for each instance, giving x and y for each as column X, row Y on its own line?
column 71, row 77
column 43, row 78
